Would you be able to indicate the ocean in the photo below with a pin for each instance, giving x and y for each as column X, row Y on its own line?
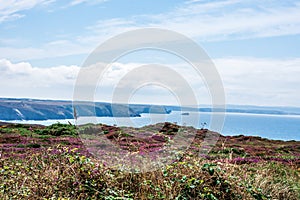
column 278, row 127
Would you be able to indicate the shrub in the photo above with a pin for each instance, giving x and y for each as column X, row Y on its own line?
column 58, row 129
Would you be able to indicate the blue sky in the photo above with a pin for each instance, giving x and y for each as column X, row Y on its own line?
column 254, row 44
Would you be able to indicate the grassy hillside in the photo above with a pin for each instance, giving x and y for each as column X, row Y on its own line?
column 39, row 162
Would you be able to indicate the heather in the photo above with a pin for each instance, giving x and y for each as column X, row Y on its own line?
column 39, row 162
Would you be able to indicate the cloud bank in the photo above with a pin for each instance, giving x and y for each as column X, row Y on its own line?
column 255, row 81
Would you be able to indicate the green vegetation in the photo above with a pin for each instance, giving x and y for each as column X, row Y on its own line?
column 58, row 129
column 51, row 163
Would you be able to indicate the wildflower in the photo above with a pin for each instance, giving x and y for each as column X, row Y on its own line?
column 104, row 164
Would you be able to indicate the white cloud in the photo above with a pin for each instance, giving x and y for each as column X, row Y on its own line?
column 261, row 81
column 34, row 75
column 237, row 19
column 57, row 48
column 216, row 20
column 76, row 2
column 105, row 29
column 9, row 9
column 24, row 80
column 246, row 81
column 201, row 20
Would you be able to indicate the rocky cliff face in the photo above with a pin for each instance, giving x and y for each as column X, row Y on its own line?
column 15, row 109
column 29, row 109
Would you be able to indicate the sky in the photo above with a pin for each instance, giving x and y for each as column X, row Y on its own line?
column 254, row 44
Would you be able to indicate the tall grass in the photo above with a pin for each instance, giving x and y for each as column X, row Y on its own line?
column 65, row 174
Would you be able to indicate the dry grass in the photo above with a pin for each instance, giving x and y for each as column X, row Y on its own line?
column 67, row 175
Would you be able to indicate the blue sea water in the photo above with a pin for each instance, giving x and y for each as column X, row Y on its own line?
column 281, row 127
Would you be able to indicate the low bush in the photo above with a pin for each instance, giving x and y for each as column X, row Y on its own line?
column 58, row 129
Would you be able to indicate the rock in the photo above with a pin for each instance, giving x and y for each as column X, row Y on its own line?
column 169, row 128
column 111, row 132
